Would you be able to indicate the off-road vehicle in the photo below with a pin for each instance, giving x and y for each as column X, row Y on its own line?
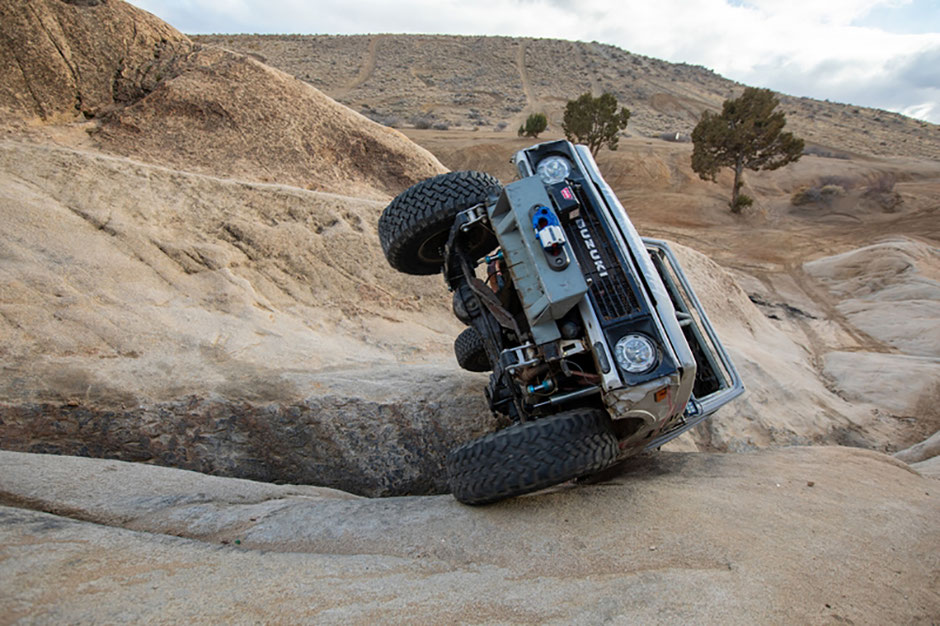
column 597, row 345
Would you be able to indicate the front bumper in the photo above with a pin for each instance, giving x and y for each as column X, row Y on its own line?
column 700, row 377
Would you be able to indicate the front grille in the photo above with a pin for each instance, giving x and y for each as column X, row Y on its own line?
column 611, row 291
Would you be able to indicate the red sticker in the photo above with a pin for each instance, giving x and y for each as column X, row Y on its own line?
column 567, row 194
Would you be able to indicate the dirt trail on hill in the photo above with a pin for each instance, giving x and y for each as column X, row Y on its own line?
column 531, row 101
column 367, row 67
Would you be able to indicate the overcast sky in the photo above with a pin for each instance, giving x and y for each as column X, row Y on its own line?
column 879, row 53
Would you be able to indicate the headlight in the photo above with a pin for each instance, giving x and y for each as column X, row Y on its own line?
column 553, row 170
column 635, row 353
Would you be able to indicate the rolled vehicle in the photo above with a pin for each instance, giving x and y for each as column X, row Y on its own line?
column 596, row 343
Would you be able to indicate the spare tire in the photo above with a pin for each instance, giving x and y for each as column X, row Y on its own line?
column 529, row 456
column 414, row 227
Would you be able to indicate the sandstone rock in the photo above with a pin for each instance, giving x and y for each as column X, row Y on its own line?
column 897, row 387
column 929, row 467
column 157, row 96
column 154, row 315
column 889, row 289
column 371, row 438
column 116, row 492
column 62, row 59
column 786, row 400
column 128, row 264
column 800, row 534
column 926, row 449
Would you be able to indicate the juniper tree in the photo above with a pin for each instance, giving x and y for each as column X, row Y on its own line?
column 747, row 134
column 594, row 121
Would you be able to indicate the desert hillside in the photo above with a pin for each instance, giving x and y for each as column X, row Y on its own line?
column 495, row 82
column 191, row 277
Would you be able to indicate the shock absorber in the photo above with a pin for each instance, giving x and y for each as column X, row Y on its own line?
column 494, row 269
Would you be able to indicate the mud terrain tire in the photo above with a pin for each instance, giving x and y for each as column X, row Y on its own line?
column 471, row 351
column 414, row 227
column 529, row 456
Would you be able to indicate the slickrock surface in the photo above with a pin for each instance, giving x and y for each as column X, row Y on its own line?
column 789, row 535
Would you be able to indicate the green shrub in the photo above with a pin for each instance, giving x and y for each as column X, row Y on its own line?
column 534, row 124
column 748, row 134
column 742, row 202
column 809, row 195
column 422, row 122
column 594, row 122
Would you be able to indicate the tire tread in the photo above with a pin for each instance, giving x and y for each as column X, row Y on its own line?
column 427, row 208
column 529, row 456
column 471, row 351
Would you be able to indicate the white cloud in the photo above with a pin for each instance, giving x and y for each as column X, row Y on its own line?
column 802, row 47
column 924, row 111
column 832, row 12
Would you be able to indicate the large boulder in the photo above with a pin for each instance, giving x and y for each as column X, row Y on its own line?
column 156, row 96
column 59, row 59
column 889, row 289
column 249, row 330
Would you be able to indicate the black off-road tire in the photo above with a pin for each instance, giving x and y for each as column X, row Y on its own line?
column 471, row 351
column 465, row 305
column 414, row 227
column 529, row 456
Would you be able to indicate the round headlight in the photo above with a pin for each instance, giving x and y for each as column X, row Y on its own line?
column 635, row 353
column 553, row 170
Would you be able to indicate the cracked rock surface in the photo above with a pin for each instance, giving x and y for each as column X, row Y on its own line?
column 788, row 535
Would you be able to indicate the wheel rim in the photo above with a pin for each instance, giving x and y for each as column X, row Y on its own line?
column 432, row 250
